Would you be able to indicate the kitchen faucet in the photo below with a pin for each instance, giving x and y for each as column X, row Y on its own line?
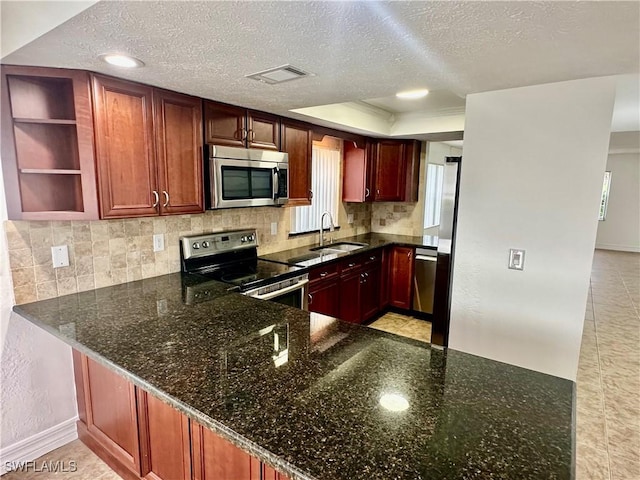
column 326, row 212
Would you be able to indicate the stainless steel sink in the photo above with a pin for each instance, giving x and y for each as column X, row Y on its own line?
column 340, row 247
column 304, row 258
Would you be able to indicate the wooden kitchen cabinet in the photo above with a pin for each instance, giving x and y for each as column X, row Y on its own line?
column 47, row 144
column 233, row 126
column 296, row 140
column 401, row 269
column 382, row 171
column 324, row 297
column 350, row 310
column 164, row 440
column 215, row 458
column 370, row 286
column 139, row 153
column 390, row 170
column 108, row 418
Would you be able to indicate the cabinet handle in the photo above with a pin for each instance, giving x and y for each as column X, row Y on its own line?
column 409, row 254
column 156, row 199
column 351, row 265
column 310, row 194
column 166, row 198
column 378, row 191
column 323, row 274
column 367, row 192
column 372, row 258
column 310, row 298
column 366, row 275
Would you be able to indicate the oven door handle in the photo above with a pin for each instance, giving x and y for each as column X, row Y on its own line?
column 276, row 182
column 277, row 293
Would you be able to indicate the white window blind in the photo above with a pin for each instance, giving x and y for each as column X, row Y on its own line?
column 433, row 195
column 604, row 199
column 325, row 185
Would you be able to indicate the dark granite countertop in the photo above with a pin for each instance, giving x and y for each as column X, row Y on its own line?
column 312, row 409
column 297, row 256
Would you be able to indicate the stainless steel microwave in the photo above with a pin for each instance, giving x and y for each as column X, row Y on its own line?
column 242, row 177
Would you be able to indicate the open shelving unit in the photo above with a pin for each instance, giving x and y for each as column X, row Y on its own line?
column 47, row 144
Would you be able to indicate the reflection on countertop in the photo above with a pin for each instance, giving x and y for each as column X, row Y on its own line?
column 316, row 397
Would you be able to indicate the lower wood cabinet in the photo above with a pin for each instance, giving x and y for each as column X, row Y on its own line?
column 324, row 297
column 401, row 268
column 350, row 310
column 141, row 437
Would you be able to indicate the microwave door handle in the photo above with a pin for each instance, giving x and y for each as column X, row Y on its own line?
column 276, row 182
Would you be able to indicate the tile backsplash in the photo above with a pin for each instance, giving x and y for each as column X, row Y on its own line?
column 108, row 252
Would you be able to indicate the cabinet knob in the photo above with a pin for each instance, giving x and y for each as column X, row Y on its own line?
column 310, row 194
column 351, row 265
column 323, row 274
column 367, row 192
column 378, row 191
column 156, row 199
column 409, row 254
column 372, row 258
column 166, row 198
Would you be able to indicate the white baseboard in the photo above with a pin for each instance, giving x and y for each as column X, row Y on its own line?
column 619, row 248
column 39, row 444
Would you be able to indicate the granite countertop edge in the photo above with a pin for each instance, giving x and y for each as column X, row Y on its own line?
column 238, row 440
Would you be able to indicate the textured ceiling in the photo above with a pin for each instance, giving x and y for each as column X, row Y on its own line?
column 357, row 50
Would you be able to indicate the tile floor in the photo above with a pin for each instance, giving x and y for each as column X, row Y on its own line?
column 89, row 466
column 608, row 384
column 403, row 325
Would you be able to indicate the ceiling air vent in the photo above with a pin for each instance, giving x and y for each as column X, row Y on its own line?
column 280, row 74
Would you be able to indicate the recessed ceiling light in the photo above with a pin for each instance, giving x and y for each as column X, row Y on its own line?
column 120, row 60
column 413, row 94
column 394, row 402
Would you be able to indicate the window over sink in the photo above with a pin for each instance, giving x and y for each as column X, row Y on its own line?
column 325, row 185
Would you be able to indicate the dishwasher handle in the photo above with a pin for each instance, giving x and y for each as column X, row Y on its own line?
column 427, row 258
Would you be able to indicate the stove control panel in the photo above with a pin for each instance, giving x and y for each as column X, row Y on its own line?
column 195, row 246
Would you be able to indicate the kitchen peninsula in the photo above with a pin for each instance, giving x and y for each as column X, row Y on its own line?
column 310, row 396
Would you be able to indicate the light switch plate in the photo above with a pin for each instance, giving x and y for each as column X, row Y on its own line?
column 158, row 242
column 516, row 259
column 60, row 256
column 274, row 228
column 350, row 218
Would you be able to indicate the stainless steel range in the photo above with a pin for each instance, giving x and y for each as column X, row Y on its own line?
column 232, row 258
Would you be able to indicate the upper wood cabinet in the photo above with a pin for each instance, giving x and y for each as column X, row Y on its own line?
column 382, row 171
column 238, row 127
column 297, row 142
column 47, row 144
column 149, row 159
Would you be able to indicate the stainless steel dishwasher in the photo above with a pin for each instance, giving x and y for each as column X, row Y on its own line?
column 424, row 280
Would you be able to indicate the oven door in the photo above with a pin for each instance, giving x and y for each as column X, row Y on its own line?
column 248, row 183
column 296, row 295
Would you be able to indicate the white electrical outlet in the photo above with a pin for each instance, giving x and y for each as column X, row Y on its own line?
column 516, row 259
column 350, row 218
column 158, row 242
column 60, row 256
column 274, row 228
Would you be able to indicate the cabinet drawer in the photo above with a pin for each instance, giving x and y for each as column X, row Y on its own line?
column 373, row 258
column 323, row 272
column 350, row 264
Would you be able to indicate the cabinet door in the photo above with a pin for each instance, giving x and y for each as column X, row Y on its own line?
column 111, row 415
column 356, row 186
column 390, row 171
column 324, row 297
column 296, row 141
column 350, row 310
column 215, row 458
column 369, row 292
column 263, row 131
column 401, row 265
column 269, row 473
column 224, row 124
column 47, row 144
column 164, row 440
column 125, row 148
column 178, row 125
